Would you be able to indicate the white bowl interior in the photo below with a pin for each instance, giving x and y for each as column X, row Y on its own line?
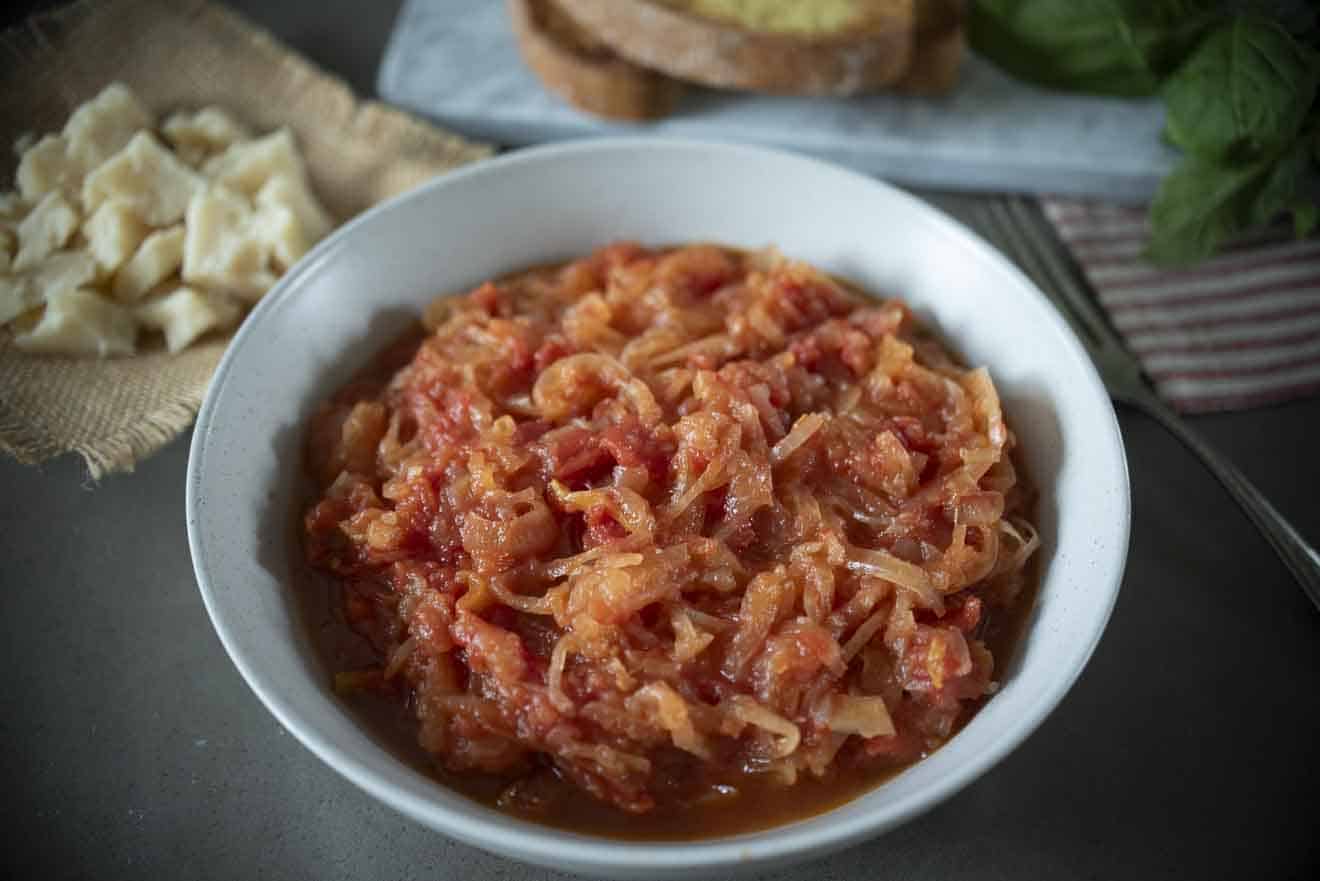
column 362, row 286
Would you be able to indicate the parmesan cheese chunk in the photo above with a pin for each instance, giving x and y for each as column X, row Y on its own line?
column 147, row 177
column 46, row 229
column 63, row 271
column 106, row 216
column 60, row 272
column 278, row 227
column 246, row 167
column 186, row 313
column 81, row 322
column 113, row 233
column 104, row 125
column 198, row 136
column 220, row 251
column 156, row 259
column 45, row 167
column 290, row 218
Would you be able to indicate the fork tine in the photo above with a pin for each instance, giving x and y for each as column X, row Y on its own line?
column 987, row 223
column 1015, row 243
column 1063, row 271
column 1009, row 233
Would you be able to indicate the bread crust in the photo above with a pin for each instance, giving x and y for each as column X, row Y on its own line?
column 571, row 63
column 941, row 43
column 726, row 55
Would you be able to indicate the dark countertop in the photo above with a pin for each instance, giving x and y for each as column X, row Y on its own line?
column 131, row 748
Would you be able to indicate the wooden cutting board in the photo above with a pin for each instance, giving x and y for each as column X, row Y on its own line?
column 456, row 61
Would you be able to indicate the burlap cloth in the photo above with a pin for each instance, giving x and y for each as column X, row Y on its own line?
column 176, row 54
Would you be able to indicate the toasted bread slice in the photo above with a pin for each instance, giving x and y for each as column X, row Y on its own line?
column 570, row 61
column 941, row 42
column 834, row 47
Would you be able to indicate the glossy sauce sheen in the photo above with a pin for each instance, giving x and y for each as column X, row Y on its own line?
column 668, row 544
column 763, row 805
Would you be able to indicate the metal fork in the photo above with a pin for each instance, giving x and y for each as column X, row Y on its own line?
column 1020, row 228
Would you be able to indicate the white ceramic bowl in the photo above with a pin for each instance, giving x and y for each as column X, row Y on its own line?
column 361, row 286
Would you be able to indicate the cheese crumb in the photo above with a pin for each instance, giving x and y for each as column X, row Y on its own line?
column 60, row 272
column 186, row 313
column 113, row 234
column 291, row 218
column 81, row 322
column 221, row 251
column 148, row 178
column 46, row 229
column 45, row 168
column 104, row 125
column 248, row 166
column 198, row 136
column 158, row 257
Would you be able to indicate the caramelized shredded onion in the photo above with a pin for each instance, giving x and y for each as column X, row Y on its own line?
column 651, row 520
column 785, row 734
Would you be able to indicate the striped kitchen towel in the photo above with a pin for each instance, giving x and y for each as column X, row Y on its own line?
column 1239, row 330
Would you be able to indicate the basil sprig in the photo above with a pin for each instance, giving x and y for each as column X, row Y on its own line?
column 1239, row 81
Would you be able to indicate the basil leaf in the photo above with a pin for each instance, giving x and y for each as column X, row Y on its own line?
column 1286, row 188
column 1243, row 92
column 1116, row 47
column 1305, row 217
column 1200, row 204
column 1297, row 17
column 1174, row 30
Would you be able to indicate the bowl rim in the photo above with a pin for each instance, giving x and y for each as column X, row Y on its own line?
column 551, row 846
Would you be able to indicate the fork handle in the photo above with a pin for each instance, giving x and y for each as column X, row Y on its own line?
column 1297, row 553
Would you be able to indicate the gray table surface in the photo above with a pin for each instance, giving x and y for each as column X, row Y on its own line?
column 131, row 748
